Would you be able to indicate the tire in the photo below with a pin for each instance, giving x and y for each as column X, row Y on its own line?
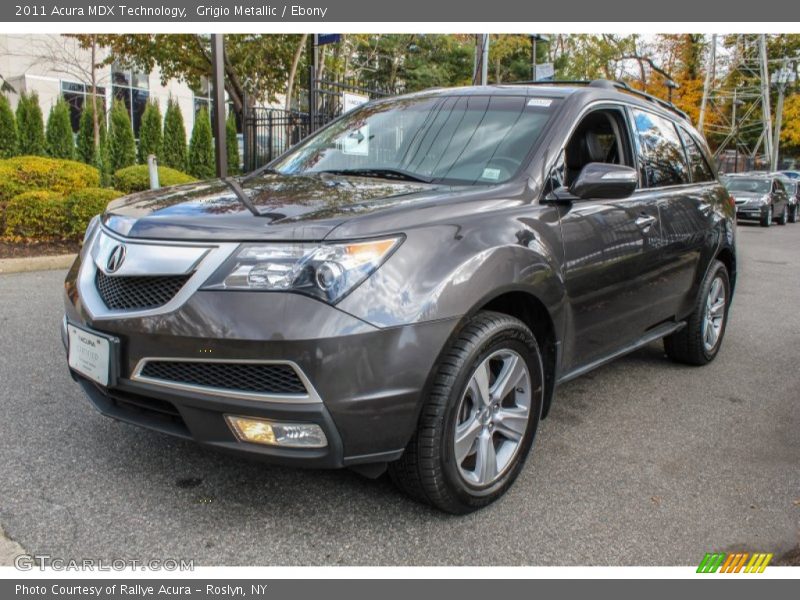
column 429, row 469
column 689, row 345
column 766, row 220
column 784, row 218
column 793, row 213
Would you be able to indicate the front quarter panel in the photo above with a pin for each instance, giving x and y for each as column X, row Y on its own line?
column 447, row 270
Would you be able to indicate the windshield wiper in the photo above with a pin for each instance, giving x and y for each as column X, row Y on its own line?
column 380, row 173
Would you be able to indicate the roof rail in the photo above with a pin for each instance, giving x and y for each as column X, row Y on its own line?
column 615, row 84
column 661, row 102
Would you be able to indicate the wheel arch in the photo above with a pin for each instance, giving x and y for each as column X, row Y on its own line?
column 526, row 306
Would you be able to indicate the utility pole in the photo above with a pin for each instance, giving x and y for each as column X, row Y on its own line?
column 765, row 99
column 218, row 63
column 784, row 76
column 312, row 82
column 712, row 57
column 735, row 127
column 480, row 74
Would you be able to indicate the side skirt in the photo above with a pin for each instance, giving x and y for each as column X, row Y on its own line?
column 654, row 334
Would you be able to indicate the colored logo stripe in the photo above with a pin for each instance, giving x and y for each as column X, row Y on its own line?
column 735, row 562
column 711, row 562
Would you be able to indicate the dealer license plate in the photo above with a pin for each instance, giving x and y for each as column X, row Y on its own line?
column 90, row 355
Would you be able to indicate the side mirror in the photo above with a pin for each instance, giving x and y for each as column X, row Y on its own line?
column 604, row 181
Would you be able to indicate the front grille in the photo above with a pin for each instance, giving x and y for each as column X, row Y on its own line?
column 138, row 292
column 242, row 377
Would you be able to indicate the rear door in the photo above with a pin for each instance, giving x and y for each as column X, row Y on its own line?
column 683, row 191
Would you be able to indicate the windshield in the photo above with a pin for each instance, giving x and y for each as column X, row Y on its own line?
column 745, row 184
column 453, row 139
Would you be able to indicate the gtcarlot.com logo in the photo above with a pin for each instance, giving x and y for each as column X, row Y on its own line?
column 734, row 562
column 44, row 562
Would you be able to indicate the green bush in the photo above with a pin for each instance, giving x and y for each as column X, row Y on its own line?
column 137, row 178
column 87, row 151
column 232, row 144
column 150, row 132
column 8, row 129
column 121, row 143
column 201, row 147
column 31, row 173
column 39, row 215
column 44, row 215
column 60, row 142
column 30, row 125
column 82, row 205
column 173, row 144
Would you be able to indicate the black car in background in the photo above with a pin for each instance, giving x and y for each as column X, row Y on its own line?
column 761, row 198
column 793, row 189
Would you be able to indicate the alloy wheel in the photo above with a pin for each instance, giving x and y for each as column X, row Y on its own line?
column 714, row 318
column 492, row 417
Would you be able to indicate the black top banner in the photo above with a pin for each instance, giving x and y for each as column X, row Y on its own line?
column 344, row 11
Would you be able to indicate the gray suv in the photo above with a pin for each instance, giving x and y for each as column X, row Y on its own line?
column 407, row 287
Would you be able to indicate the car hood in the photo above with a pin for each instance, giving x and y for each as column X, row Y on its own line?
column 288, row 207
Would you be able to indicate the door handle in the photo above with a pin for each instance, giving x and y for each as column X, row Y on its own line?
column 645, row 221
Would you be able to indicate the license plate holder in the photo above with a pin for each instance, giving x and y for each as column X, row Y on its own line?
column 93, row 355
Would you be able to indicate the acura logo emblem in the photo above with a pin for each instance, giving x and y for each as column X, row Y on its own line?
column 116, row 258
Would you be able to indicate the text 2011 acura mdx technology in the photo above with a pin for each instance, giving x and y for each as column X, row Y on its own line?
column 408, row 286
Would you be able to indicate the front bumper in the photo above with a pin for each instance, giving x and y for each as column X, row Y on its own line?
column 748, row 212
column 367, row 381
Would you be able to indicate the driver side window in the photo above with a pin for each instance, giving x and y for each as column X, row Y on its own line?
column 598, row 138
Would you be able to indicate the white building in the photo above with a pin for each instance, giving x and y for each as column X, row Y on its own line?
column 55, row 66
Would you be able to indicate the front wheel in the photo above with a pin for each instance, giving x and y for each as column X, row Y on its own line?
column 698, row 343
column 766, row 218
column 479, row 420
column 793, row 215
column 784, row 218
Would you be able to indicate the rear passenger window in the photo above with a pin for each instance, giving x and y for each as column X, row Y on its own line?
column 662, row 150
column 697, row 162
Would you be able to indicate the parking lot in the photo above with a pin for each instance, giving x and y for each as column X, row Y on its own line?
column 641, row 462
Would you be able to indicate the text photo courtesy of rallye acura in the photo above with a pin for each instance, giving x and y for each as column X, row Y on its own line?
column 407, row 287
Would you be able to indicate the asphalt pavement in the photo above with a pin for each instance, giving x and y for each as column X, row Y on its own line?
column 642, row 462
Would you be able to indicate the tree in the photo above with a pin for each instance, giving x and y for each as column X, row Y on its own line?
column 8, row 129
column 121, row 143
column 232, row 144
column 60, row 141
column 150, row 132
column 201, row 147
column 67, row 54
column 173, row 145
column 30, row 125
column 87, row 150
column 255, row 65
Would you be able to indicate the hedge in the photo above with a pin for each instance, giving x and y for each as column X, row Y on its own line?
column 30, row 173
column 137, row 178
column 84, row 204
column 46, row 215
column 37, row 215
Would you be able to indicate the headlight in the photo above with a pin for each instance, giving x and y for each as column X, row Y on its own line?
column 764, row 199
column 325, row 271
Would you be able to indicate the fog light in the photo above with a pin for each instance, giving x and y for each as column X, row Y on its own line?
column 273, row 433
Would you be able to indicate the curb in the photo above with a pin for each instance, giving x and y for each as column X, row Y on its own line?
column 35, row 263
